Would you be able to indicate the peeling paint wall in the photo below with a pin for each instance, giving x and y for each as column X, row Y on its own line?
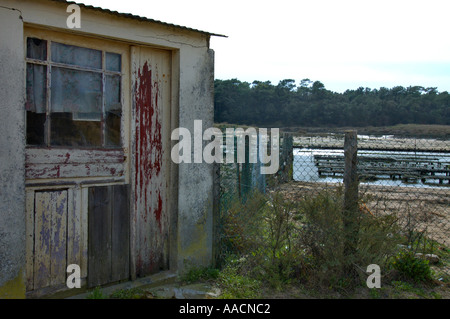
column 12, row 156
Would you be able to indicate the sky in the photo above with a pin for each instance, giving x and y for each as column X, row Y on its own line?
column 345, row 44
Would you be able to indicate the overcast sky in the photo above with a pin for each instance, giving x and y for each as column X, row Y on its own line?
column 344, row 44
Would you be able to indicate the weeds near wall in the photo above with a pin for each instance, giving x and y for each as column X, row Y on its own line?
column 297, row 232
column 276, row 241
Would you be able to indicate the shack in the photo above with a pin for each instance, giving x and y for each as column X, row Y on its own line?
column 86, row 176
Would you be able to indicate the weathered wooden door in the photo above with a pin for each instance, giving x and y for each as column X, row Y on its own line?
column 49, row 245
column 151, row 129
column 109, row 234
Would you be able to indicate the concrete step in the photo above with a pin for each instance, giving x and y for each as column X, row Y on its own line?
column 156, row 280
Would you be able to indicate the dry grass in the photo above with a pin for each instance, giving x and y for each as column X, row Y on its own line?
column 427, row 209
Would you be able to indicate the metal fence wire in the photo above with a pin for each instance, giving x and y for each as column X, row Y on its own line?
column 235, row 182
column 405, row 178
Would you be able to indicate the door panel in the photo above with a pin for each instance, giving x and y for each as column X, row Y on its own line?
column 108, row 234
column 50, row 233
column 151, row 74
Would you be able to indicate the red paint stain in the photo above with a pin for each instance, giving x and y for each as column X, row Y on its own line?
column 148, row 130
column 158, row 211
column 148, row 161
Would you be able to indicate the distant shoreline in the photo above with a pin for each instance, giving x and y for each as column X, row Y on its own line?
column 432, row 131
column 398, row 131
column 375, row 144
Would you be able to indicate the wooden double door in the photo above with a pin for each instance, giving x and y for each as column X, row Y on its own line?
column 88, row 227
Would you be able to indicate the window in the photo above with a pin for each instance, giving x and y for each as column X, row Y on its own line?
column 73, row 96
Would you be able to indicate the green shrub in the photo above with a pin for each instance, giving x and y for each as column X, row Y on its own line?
column 242, row 225
column 96, row 293
column 261, row 229
column 276, row 254
column 196, row 274
column 323, row 235
column 235, row 285
column 412, row 267
column 282, row 241
column 132, row 293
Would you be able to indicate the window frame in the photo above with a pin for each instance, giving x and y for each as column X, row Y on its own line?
column 66, row 164
column 105, row 46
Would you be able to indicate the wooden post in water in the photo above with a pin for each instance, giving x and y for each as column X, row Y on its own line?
column 351, row 208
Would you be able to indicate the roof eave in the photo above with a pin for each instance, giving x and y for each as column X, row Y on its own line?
column 136, row 17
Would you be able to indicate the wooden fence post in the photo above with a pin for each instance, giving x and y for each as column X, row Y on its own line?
column 351, row 208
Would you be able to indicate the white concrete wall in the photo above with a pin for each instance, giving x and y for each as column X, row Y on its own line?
column 12, row 155
column 195, row 200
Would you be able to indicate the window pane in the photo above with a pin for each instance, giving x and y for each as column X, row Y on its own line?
column 113, row 62
column 70, row 54
column 75, row 91
column 36, row 128
column 65, row 131
column 113, row 110
column 35, row 104
column 36, row 88
column 36, row 49
column 76, row 108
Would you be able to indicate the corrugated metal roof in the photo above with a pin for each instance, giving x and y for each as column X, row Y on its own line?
column 136, row 17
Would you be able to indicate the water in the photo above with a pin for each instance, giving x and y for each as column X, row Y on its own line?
column 305, row 169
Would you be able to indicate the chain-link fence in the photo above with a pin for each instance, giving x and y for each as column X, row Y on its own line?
column 403, row 194
column 407, row 178
column 235, row 182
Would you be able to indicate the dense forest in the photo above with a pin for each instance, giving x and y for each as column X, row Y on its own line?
column 311, row 104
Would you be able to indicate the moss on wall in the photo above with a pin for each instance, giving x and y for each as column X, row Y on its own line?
column 14, row 289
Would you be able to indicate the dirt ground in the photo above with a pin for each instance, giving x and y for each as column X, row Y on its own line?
column 425, row 209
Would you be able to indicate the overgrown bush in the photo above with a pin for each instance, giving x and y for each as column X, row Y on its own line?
column 412, row 267
column 196, row 274
column 241, row 225
column 323, row 240
column 276, row 257
column 261, row 230
column 235, row 284
column 281, row 241
column 321, row 237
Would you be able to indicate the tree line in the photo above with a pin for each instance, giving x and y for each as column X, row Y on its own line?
column 310, row 104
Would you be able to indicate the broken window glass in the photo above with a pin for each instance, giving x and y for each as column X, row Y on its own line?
column 76, row 108
column 113, row 110
column 36, row 103
column 36, row 49
column 83, row 107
